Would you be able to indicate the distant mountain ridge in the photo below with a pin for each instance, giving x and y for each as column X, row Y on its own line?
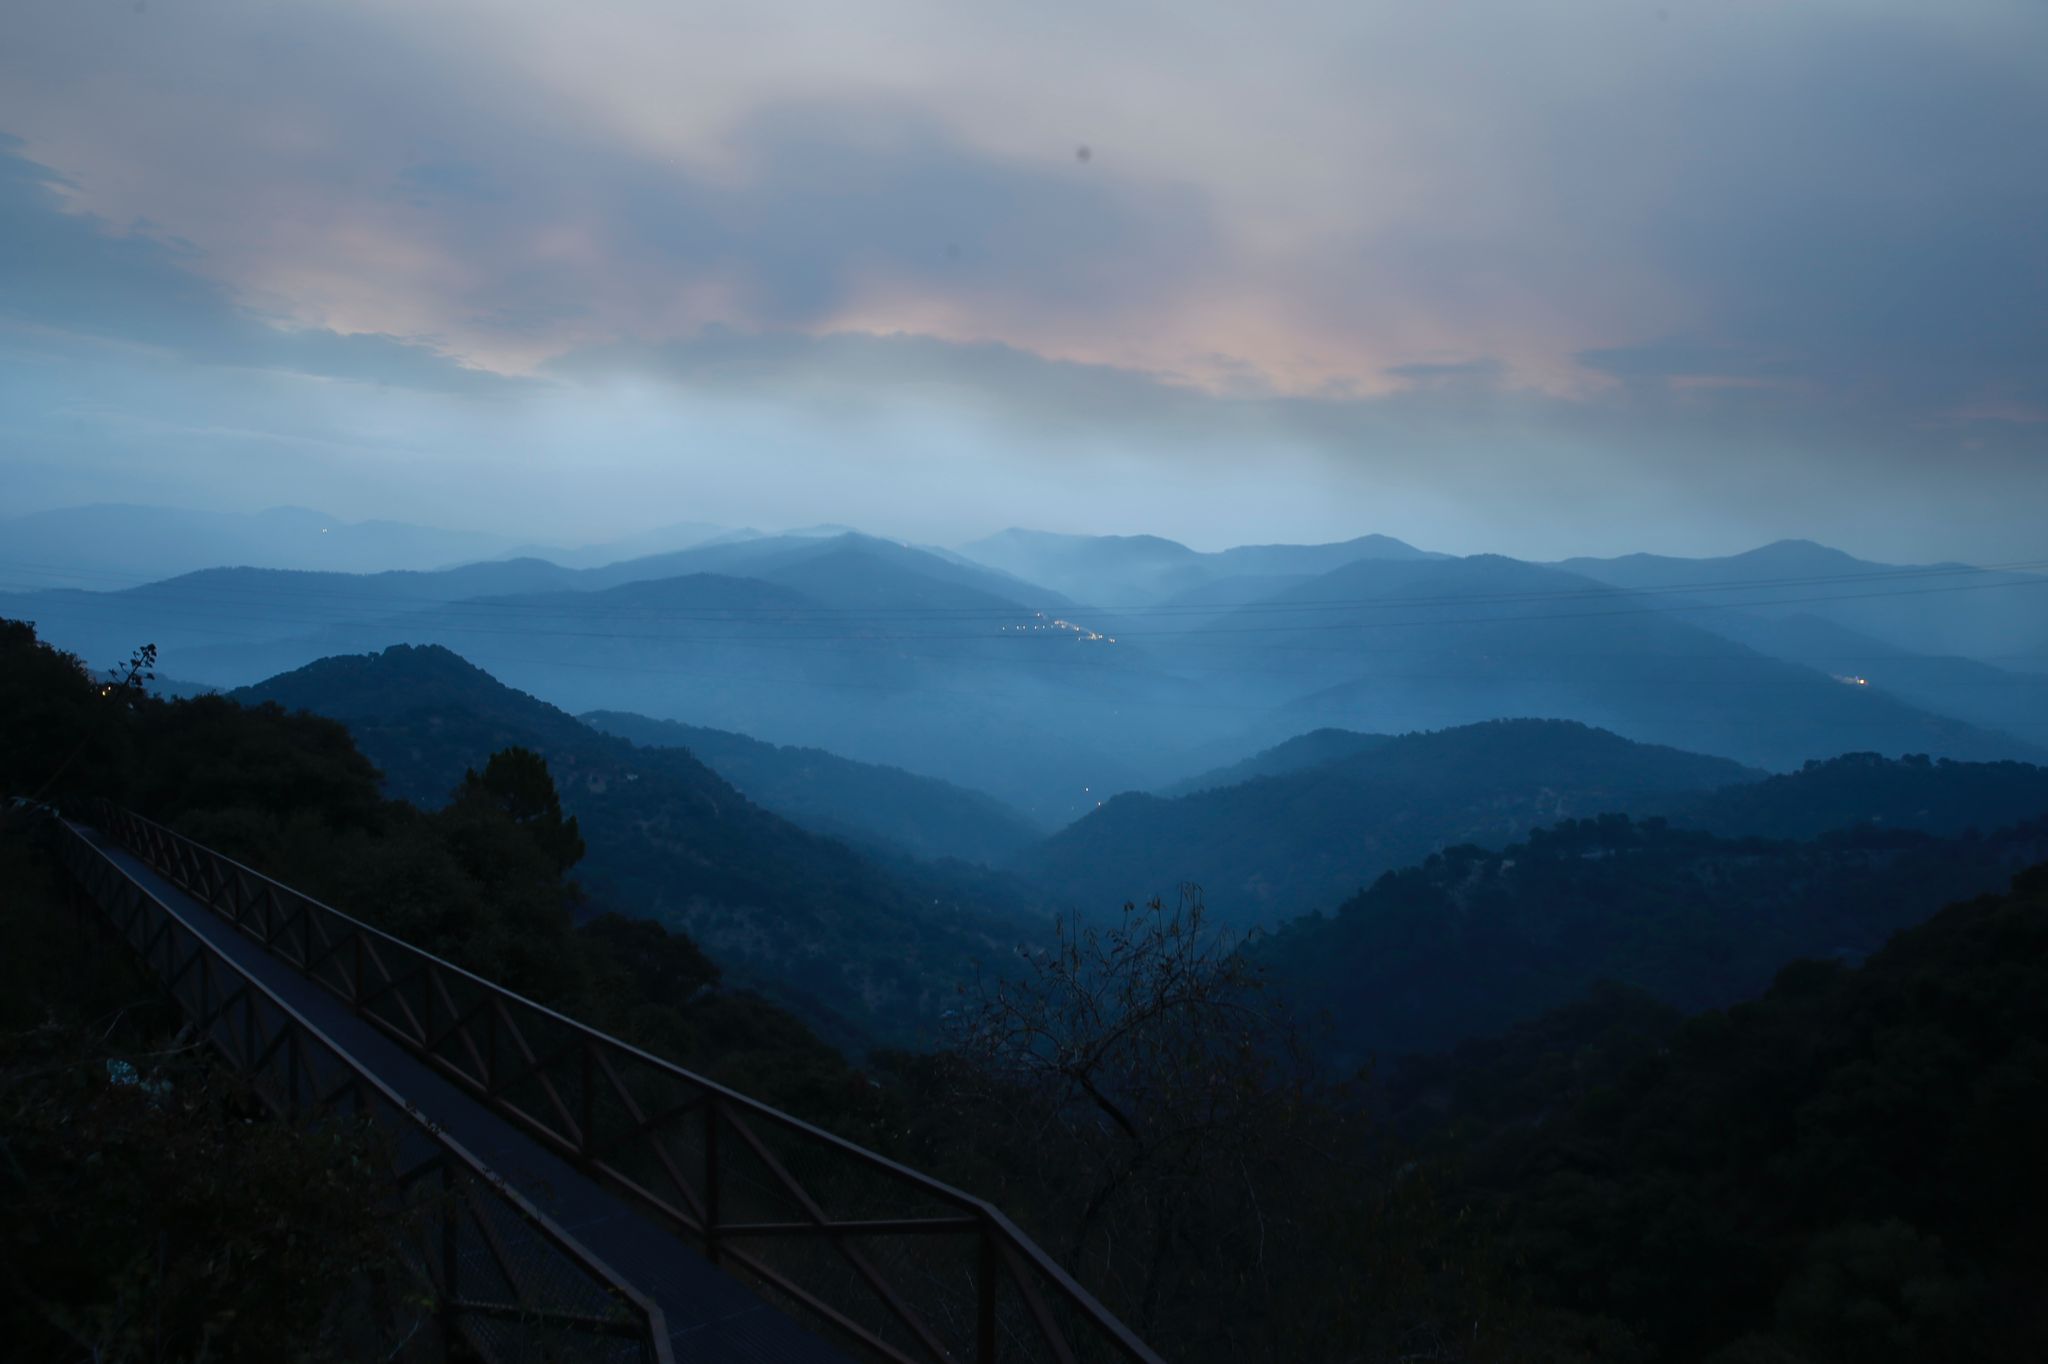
column 1122, row 571
column 1417, row 645
column 111, row 545
column 931, row 662
column 1943, row 609
column 862, row 802
column 1309, row 837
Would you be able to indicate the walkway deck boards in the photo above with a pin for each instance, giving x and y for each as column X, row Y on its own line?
column 712, row 1316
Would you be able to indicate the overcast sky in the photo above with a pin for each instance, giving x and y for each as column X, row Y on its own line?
column 1536, row 277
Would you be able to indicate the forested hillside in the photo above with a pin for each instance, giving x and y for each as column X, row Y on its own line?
column 1470, row 941
column 483, row 879
column 794, row 913
column 1844, row 1171
column 1933, row 795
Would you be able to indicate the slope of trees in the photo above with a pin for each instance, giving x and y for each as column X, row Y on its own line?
column 1933, row 795
column 483, row 881
column 1847, row 1169
column 1470, row 942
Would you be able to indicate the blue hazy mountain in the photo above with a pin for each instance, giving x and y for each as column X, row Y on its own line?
column 110, row 545
column 1302, row 751
column 803, row 916
column 1123, row 571
column 1395, row 646
column 1946, row 609
column 213, row 613
column 1307, row 838
column 927, row 661
column 2006, row 699
column 863, row 803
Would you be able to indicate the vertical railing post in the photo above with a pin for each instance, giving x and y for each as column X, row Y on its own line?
column 448, row 1261
column 711, row 1177
column 985, row 1270
column 357, row 1000
column 490, row 1048
column 589, row 1103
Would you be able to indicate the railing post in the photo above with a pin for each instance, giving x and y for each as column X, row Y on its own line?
column 589, row 1104
column 448, row 1263
column 711, row 1177
column 357, row 999
column 985, row 1271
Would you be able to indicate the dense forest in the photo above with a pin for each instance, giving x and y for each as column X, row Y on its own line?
column 1843, row 1169
column 1470, row 941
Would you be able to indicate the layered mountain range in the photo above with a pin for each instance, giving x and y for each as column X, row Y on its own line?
column 1052, row 672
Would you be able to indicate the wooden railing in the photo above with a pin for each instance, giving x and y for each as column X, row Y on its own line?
column 899, row 1265
column 496, row 1270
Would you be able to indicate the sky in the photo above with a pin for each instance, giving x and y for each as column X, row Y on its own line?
column 1540, row 277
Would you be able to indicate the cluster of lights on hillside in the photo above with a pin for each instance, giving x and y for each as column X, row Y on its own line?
column 1043, row 622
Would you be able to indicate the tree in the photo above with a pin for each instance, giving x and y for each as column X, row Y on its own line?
column 516, row 783
column 1161, row 1096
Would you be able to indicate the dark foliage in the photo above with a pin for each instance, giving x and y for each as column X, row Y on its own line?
column 1847, row 1169
column 481, row 882
column 151, row 1207
column 1471, row 942
column 1933, row 795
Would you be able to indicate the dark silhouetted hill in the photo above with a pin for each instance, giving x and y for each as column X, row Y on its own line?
column 1471, row 942
column 1932, row 795
column 1846, row 1169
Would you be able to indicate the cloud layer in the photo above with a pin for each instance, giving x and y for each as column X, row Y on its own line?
column 1536, row 276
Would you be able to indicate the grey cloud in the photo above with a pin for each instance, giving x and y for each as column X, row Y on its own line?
column 829, row 205
column 1848, row 199
column 72, row 273
column 1482, row 371
column 1675, row 358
